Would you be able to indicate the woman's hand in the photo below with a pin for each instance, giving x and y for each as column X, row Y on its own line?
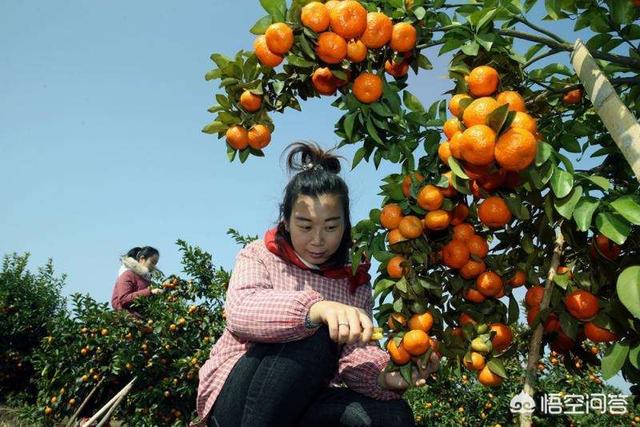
column 347, row 324
column 394, row 380
column 156, row 291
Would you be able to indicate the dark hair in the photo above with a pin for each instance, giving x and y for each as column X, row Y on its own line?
column 317, row 174
column 142, row 252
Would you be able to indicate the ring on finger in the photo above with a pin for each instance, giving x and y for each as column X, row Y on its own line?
column 343, row 324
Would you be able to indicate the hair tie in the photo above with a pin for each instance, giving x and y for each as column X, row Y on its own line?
column 311, row 166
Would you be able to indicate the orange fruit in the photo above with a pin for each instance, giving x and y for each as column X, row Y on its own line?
column 396, row 319
column 395, row 236
column 473, row 295
column 315, row 16
column 437, row 220
column 367, row 87
column 406, row 182
column 459, row 214
column 403, row 37
column 451, row 127
column 455, row 145
column 348, row 19
column 503, row 337
column 472, row 269
column 475, row 171
column 562, row 269
column 466, row 319
column 397, row 69
column 477, row 246
column 430, row 198
column 533, row 297
column 463, row 232
column 250, row 102
column 454, row 104
column 572, row 97
column 492, row 181
column 331, row 48
column 422, row 322
column 514, row 99
column 411, row 227
column 324, row 81
column 478, row 145
column 265, row 56
column 518, row 279
column 237, row 137
column 483, row 81
column 489, row 284
column 488, row 378
column 524, row 121
column 395, row 270
column 331, row 4
column 474, row 362
column 606, row 248
column 398, row 353
column 390, row 216
column 444, row 152
column 279, row 38
column 582, row 305
column 562, row 343
column 259, row 136
column 478, row 111
column 597, row 334
column 416, row 342
column 494, row 212
column 450, row 191
column 356, row 51
column 378, row 30
column 516, row 149
column 455, row 254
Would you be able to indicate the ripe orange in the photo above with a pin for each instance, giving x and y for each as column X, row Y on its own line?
column 455, row 145
column 477, row 245
column 489, row 284
column 403, row 37
column 463, row 232
column 494, row 213
column 416, row 342
column 597, row 334
column 250, row 102
column 395, row 270
column 422, row 322
column 324, row 81
column 562, row 269
column 562, row 343
column 582, row 305
column 606, row 248
column 533, row 297
column 516, row 149
column 455, row 254
column 450, row 191
column 451, row 127
column 478, row 111
column 331, row 4
column 406, row 182
column 478, row 145
column 466, row 319
column 259, row 136
column 488, row 378
column 430, row 198
column 454, row 104
column 492, row 181
column 237, row 137
column 437, row 220
column 378, row 31
column 474, row 362
column 356, row 51
column 524, row 121
column 514, row 99
column 459, row 214
column 518, row 279
column 411, row 227
column 475, row 171
column 390, row 216
column 315, row 16
column 503, row 336
column 444, row 152
column 279, row 38
column 367, row 87
column 348, row 19
column 472, row 269
column 398, row 353
column 331, row 48
column 396, row 319
column 395, row 236
column 572, row 97
column 473, row 295
column 265, row 56
column 483, row 81
column 397, row 69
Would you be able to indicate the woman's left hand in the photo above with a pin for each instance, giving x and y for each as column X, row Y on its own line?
column 394, row 380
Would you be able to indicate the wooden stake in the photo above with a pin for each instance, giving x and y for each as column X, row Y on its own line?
column 84, row 403
column 113, row 401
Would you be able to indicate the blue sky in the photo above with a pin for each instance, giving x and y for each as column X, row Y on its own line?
column 101, row 107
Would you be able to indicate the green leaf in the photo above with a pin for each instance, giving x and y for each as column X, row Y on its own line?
column 471, row 48
column 553, row 8
column 488, row 15
column 600, row 181
column 622, row 12
column 276, row 8
column 570, row 143
column 583, row 212
column 349, row 121
column 213, row 74
column 214, row 127
column 412, row 102
column 629, row 207
column 628, row 289
column 613, row 226
column 358, row 156
column 424, row 63
column 496, row 366
column 634, row 356
column 497, row 117
column 231, row 153
column 566, row 205
column 299, row 62
column 261, row 25
column 543, row 154
column 486, row 40
column 373, row 133
column 456, row 168
column 514, row 310
column 561, row 182
column 420, row 12
column 614, row 358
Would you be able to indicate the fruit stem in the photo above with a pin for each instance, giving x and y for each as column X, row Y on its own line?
column 536, row 338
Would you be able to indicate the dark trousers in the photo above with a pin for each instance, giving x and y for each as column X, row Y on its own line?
column 286, row 384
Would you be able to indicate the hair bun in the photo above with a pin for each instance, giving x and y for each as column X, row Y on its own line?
column 308, row 156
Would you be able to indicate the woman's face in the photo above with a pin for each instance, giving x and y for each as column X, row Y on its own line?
column 150, row 263
column 316, row 227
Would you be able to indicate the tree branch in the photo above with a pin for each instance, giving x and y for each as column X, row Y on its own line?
column 547, row 33
column 542, row 55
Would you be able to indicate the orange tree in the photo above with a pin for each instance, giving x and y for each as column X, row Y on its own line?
column 521, row 185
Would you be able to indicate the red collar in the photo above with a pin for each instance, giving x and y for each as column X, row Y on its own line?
column 288, row 254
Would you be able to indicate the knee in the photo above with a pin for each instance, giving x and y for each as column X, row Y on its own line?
column 400, row 413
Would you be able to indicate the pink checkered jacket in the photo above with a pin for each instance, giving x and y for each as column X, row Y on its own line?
column 267, row 301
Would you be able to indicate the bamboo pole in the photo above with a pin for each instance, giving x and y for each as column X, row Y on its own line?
column 536, row 338
column 84, row 403
column 619, row 121
column 112, row 402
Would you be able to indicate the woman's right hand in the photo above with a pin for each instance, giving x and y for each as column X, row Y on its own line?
column 347, row 324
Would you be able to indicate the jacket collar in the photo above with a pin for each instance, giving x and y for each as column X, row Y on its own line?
column 131, row 264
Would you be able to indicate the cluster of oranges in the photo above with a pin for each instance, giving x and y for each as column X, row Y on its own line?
column 415, row 341
column 258, row 136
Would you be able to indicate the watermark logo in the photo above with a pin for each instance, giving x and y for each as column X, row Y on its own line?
column 571, row 404
column 522, row 404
